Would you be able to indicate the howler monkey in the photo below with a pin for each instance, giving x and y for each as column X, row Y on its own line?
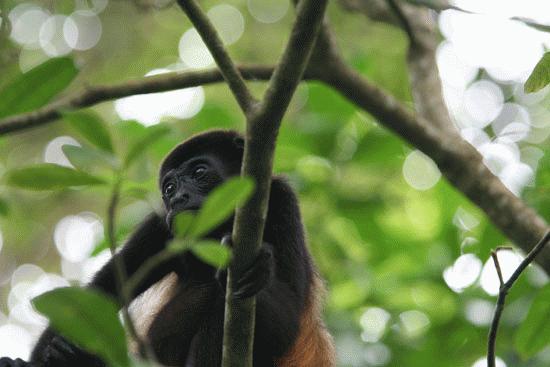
column 184, row 326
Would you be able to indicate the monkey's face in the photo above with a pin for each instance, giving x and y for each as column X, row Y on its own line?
column 185, row 187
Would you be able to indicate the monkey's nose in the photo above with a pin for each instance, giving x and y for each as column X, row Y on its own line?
column 179, row 201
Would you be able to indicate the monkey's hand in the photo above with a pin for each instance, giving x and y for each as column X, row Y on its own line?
column 8, row 362
column 258, row 276
column 61, row 353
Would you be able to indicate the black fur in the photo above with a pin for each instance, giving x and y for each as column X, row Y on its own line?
column 188, row 331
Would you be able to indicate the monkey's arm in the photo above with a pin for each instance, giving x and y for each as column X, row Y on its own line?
column 147, row 240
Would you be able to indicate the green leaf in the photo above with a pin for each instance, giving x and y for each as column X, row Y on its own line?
column 540, row 76
column 213, row 253
column 48, row 176
column 178, row 246
column 221, row 202
column 533, row 334
column 4, row 208
column 87, row 318
column 92, row 128
column 85, row 159
column 153, row 134
column 182, row 223
column 37, row 87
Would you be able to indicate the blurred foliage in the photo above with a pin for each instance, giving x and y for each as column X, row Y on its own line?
column 377, row 241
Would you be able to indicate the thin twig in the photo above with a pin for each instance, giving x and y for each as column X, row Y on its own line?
column 96, row 94
column 210, row 37
column 503, row 292
column 120, row 272
column 497, row 267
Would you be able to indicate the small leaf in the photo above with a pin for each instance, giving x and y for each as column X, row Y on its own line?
column 540, row 76
column 153, row 134
column 182, row 223
column 85, row 159
column 213, row 253
column 533, row 334
column 92, row 128
column 48, row 176
column 37, row 86
column 87, row 318
column 220, row 203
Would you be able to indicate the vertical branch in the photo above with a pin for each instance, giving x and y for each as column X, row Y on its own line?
column 503, row 292
column 261, row 135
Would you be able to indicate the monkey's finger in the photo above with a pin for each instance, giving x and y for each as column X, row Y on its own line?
column 255, row 278
column 261, row 269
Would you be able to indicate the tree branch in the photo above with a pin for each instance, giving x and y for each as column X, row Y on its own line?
column 503, row 292
column 517, row 221
column 93, row 95
column 214, row 43
column 261, row 135
column 461, row 164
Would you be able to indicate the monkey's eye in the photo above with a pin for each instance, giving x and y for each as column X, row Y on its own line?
column 199, row 171
column 169, row 189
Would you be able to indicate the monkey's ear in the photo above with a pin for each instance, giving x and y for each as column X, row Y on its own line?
column 239, row 142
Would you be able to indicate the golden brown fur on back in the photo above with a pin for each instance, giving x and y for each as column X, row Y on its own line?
column 314, row 346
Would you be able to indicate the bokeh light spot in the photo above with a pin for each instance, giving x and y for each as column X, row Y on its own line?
column 53, row 152
column 413, row 323
column 51, row 36
column 377, row 354
column 508, row 261
column 26, row 21
column 192, row 50
column 268, row 11
column 483, row 101
column 228, row 21
column 463, row 273
column 482, row 362
column 420, row 171
column 82, row 30
column 150, row 109
column 479, row 312
column 76, row 235
column 374, row 322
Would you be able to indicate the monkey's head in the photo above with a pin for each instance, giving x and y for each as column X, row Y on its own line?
column 193, row 168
